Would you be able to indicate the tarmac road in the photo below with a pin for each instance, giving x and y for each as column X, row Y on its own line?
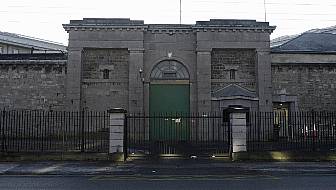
column 168, row 175
column 237, row 182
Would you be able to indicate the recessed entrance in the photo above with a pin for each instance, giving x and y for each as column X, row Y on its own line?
column 169, row 98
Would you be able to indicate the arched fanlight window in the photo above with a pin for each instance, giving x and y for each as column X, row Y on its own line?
column 169, row 69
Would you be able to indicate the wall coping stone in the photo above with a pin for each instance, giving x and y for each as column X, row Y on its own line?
column 116, row 110
column 33, row 62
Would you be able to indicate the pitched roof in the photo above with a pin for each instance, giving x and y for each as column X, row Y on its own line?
column 30, row 42
column 233, row 91
column 282, row 40
column 316, row 40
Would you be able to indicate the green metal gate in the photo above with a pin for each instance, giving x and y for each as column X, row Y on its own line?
column 168, row 102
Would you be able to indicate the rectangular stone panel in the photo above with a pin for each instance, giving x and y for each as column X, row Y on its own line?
column 117, row 136
column 239, row 148
column 119, row 122
column 116, row 129
column 114, row 149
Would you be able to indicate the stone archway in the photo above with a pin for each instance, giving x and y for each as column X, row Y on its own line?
column 169, row 70
column 169, row 96
column 169, row 87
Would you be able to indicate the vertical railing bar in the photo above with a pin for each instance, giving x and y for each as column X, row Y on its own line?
column 15, row 134
column 21, row 124
column 15, row 139
column 9, row 130
column 4, row 128
column 95, row 131
column 35, row 128
column 25, row 130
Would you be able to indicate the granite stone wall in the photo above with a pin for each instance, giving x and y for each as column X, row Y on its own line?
column 105, row 78
column 240, row 61
column 314, row 84
column 32, row 84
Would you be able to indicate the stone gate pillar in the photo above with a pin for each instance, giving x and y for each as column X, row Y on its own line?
column 238, row 131
column 117, row 134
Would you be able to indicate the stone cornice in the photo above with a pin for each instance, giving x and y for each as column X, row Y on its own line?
column 33, row 62
column 269, row 29
column 304, row 63
column 136, row 50
column 170, row 30
column 167, row 30
column 72, row 27
column 125, row 24
column 203, row 51
column 234, row 98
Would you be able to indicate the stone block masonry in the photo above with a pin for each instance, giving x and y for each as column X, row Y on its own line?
column 313, row 84
column 233, row 66
column 32, row 84
column 105, row 78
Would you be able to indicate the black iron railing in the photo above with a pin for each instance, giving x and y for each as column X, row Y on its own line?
column 292, row 131
column 177, row 134
column 53, row 131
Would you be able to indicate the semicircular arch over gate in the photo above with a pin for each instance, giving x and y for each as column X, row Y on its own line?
column 169, row 70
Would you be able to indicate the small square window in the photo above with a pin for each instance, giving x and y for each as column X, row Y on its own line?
column 106, row 74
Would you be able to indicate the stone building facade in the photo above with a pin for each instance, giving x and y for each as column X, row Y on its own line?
column 208, row 66
column 125, row 63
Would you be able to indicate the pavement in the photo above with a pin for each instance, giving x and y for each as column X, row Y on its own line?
column 164, row 168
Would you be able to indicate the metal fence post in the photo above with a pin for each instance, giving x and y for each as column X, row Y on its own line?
column 2, row 128
column 125, row 138
column 82, row 129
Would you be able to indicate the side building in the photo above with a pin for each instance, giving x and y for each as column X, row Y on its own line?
column 32, row 73
column 11, row 43
column 304, row 71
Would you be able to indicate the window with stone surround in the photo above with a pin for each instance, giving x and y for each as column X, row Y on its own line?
column 106, row 74
column 232, row 74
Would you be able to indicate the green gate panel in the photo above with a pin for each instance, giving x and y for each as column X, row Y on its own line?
column 169, row 103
